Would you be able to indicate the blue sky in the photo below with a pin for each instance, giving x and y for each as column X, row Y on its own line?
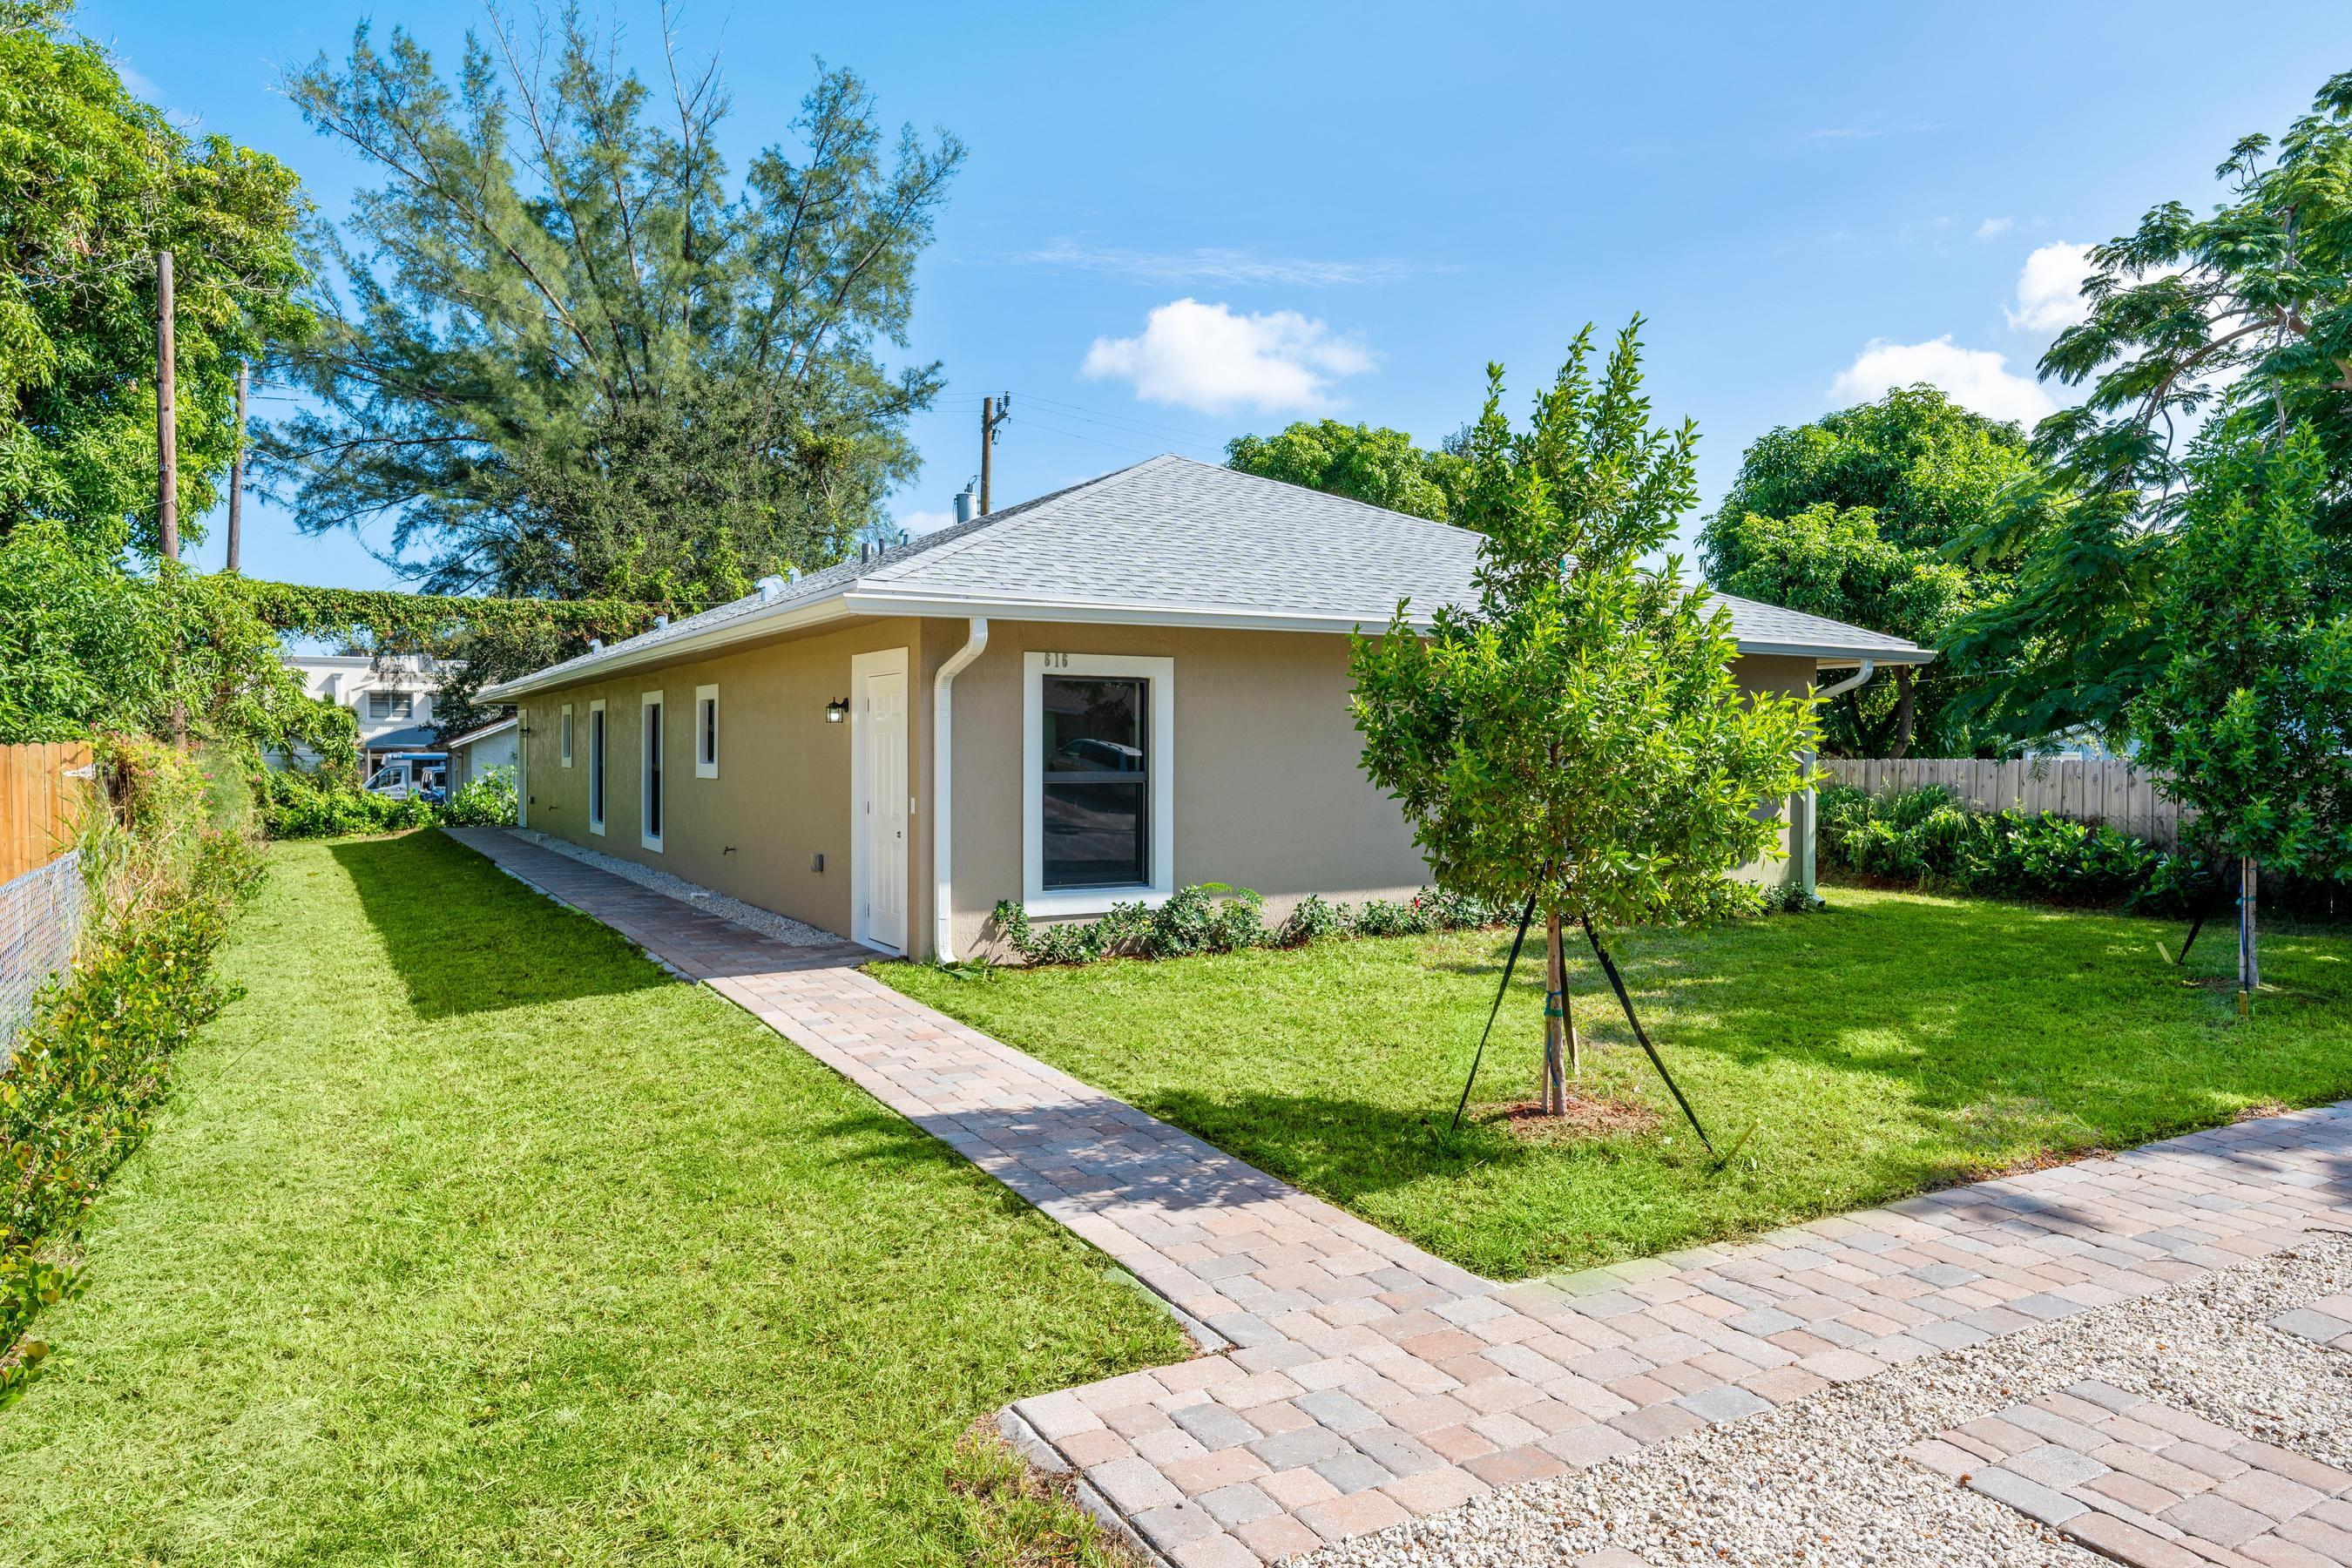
column 1180, row 224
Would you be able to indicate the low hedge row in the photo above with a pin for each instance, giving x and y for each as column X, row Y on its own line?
column 89, row 1069
column 1215, row 918
column 299, row 802
column 1929, row 837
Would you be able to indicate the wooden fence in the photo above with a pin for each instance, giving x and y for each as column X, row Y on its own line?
column 2107, row 790
column 41, row 802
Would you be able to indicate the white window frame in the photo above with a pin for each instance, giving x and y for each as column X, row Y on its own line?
column 706, row 768
column 650, row 736
column 563, row 733
column 600, row 759
column 1160, row 780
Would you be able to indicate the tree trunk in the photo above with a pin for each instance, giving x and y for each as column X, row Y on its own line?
column 1559, row 1034
column 2249, row 969
column 1903, row 712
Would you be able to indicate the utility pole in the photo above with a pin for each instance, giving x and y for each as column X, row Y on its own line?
column 993, row 411
column 167, row 436
column 237, row 471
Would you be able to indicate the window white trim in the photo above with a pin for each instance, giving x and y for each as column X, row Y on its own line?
column 600, row 754
column 653, row 719
column 563, row 734
column 1160, row 776
column 706, row 737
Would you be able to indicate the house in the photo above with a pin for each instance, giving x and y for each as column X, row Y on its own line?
column 1131, row 685
column 392, row 697
column 481, row 749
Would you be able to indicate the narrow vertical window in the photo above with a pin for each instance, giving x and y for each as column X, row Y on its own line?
column 706, row 731
column 651, row 834
column 596, row 766
column 564, row 731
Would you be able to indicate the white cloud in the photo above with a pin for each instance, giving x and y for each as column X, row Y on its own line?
column 1994, row 227
column 2050, row 289
column 1977, row 379
column 1210, row 359
column 1212, row 265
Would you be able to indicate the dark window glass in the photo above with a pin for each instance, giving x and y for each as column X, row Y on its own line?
column 711, row 729
column 596, row 765
column 653, row 772
column 1097, row 822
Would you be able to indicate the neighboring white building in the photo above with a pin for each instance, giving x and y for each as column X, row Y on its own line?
column 481, row 749
column 391, row 698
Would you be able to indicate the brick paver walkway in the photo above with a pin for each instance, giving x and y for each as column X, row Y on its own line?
column 1364, row 1381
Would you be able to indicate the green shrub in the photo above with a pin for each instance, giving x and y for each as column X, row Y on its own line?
column 88, row 1068
column 1930, row 838
column 302, row 803
column 485, row 802
column 1216, row 918
column 1313, row 919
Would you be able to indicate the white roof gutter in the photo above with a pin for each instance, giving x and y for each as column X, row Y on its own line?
column 943, row 790
column 871, row 600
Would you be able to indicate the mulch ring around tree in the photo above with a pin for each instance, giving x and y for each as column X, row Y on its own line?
column 1587, row 1117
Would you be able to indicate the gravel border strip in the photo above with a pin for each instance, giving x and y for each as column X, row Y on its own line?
column 1821, row 1481
column 767, row 922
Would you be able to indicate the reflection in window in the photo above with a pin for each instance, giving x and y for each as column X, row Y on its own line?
column 1097, row 777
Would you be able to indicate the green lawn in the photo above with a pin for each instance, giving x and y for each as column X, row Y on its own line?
column 1895, row 1043
column 470, row 1237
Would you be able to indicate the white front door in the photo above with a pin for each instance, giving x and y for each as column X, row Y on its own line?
column 879, row 711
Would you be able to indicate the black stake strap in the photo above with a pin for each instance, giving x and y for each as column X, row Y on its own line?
column 1616, row 983
column 1501, row 991
column 2197, row 925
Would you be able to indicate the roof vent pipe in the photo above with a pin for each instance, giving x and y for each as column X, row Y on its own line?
column 660, row 621
column 595, row 644
column 771, row 589
column 967, row 502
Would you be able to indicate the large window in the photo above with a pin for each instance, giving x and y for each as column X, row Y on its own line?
column 596, row 766
column 1097, row 781
column 1097, row 822
column 651, row 835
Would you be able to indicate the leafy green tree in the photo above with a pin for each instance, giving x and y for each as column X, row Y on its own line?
column 1376, row 465
column 2251, row 712
column 1863, row 516
column 2219, row 325
column 87, row 648
column 1578, row 733
column 93, row 183
column 552, row 342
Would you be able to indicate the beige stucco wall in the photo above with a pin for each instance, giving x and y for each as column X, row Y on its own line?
column 782, row 795
column 1268, row 791
column 1789, row 677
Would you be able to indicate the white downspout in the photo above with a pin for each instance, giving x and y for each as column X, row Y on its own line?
column 943, row 788
column 1823, row 694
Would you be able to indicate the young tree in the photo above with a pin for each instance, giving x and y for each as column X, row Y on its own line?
column 93, row 183
column 1578, row 733
column 1904, row 480
column 553, row 335
column 2251, row 712
column 1376, row 465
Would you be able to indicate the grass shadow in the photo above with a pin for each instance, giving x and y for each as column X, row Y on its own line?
column 464, row 937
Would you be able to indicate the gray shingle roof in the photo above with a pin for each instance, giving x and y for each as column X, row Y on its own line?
column 1172, row 538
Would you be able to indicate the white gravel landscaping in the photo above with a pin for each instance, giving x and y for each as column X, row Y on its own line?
column 767, row 922
column 1822, row 1480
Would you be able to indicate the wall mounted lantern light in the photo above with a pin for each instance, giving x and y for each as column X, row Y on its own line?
column 837, row 711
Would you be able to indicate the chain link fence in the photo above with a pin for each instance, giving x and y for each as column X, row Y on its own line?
column 41, row 919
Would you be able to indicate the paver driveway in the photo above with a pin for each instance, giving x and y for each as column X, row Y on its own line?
column 1361, row 1381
